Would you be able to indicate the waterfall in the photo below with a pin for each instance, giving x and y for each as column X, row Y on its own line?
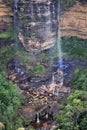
column 37, row 118
column 47, row 116
column 53, row 79
column 34, row 22
column 15, row 16
column 32, row 10
column 59, row 49
column 48, row 23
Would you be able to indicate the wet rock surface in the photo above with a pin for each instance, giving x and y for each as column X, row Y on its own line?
column 17, row 72
column 37, row 97
column 39, row 22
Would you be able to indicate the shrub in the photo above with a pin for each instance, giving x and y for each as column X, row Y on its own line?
column 39, row 69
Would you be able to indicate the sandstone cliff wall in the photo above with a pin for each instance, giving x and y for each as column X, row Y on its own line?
column 74, row 21
column 5, row 16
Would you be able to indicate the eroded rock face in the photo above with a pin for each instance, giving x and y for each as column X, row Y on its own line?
column 5, row 16
column 37, row 22
column 74, row 21
column 39, row 32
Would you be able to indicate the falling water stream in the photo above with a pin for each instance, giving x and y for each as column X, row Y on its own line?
column 37, row 119
column 59, row 48
column 16, row 19
column 48, row 23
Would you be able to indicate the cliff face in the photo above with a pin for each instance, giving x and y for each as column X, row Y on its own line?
column 74, row 21
column 37, row 23
column 43, row 28
column 5, row 16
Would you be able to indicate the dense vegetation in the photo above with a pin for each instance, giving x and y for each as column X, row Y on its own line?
column 75, row 47
column 79, row 80
column 9, row 103
column 73, row 114
column 9, row 33
column 72, row 47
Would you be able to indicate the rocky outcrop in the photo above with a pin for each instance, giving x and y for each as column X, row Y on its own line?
column 74, row 21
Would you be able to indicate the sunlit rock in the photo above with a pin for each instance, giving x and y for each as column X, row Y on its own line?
column 36, row 22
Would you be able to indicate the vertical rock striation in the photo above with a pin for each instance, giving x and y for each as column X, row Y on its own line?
column 37, row 22
column 74, row 21
column 5, row 16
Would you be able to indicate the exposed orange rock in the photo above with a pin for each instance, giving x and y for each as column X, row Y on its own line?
column 5, row 12
column 74, row 21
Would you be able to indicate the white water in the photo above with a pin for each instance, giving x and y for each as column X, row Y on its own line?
column 53, row 79
column 38, row 120
column 16, row 20
column 32, row 10
column 48, row 24
column 59, row 48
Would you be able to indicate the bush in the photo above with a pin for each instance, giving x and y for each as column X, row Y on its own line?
column 39, row 69
column 75, row 47
column 8, row 34
column 79, row 80
column 67, row 3
column 10, row 101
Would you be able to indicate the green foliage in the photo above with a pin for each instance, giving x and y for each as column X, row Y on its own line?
column 79, row 80
column 6, row 53
column 39, row 69
column 9, row 3
column 76, row 105
column 8, row 34
column 75, row 47
column 83, row 121
column 61, row 107
column 27, row 122
column 9, row 103
column 67, row 3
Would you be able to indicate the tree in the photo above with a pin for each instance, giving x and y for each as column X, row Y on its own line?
column 10, row 101
column 79, row 80
column 75, row 106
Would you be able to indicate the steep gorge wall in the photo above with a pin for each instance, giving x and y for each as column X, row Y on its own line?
column 42, row 34
column 37, row 24
column 5, row 16
column 74, row 21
